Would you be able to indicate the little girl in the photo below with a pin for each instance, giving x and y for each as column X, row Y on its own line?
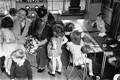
column 74, row 46
column 20, row 68
column 54, row 47
column 100, row 25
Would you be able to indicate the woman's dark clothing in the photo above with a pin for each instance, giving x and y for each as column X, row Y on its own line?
column 40, row 32
column 23, row 71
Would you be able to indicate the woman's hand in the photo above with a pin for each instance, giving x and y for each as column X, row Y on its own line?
column 43, row 42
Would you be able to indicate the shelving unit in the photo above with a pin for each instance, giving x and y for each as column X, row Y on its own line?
column 31, row 5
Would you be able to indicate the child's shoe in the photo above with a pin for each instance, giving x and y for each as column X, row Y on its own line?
column 91, row 74
column 51, row 74
column 59, row 72
column 40, row 70
column 97, row 77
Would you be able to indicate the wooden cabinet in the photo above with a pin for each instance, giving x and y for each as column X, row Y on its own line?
column 111, row 9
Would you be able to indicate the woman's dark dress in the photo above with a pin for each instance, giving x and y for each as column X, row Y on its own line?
column 41, row 57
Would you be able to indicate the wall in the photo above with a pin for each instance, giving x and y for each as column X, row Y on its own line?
column 5, row 5
column 93, row 10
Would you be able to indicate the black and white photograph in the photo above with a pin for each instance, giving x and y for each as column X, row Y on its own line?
column 59, row 39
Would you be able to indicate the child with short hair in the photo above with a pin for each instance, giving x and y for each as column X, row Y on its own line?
column 20, row 68
column 54, row 47
column 75, row 46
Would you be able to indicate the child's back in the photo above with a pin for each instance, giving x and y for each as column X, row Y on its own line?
column 23, row 71
column 20, row 68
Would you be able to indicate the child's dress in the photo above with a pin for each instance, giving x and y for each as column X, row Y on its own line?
column 78, row 56
column 54, row 46
column 54, row 52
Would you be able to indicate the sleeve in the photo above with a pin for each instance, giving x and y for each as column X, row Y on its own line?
column 16, row 28
column 51, row 18
column 33, row 27
column 82, row 43
column 29, row 70
column 53, row 42
column 103, row 27
column 47, row 35
column 12, row 70
column 49, row 47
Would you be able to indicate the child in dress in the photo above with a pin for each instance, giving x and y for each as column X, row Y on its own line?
column 20, row 68
column 74, row 46
column 54, row 47
column 100, row 24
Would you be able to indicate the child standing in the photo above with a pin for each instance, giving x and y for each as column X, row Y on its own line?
column 74, row 46
column 20, row 68
column 54, row 47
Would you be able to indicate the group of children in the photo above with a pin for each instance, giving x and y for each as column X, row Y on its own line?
column 73, row 42
column 21, row 69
